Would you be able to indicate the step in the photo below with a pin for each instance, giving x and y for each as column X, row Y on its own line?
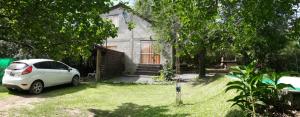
column 147, row 69
column 146, row 73
column 149, row 65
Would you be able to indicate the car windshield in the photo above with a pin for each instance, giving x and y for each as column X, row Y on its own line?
column 17, row 66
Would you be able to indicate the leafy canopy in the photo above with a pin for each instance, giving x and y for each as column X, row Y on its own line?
column 259, row 28
column 55, row 28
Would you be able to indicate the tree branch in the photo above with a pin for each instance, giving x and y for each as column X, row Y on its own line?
column 16, row 42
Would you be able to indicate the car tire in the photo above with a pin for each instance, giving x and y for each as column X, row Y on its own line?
column 75, row 81
column 36, row 87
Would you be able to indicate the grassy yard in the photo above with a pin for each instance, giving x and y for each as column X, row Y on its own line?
column 202, row 98
column 3, row 92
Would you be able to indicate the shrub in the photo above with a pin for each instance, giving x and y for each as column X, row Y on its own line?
column 253, row 93
column 167, row 72
column 273, row 96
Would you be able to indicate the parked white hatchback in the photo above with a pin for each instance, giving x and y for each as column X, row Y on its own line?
column 36, row 74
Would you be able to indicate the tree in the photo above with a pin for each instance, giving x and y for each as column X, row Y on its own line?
column 55, row 28
column 190, row 26
column 256, row 29
column 259, row 29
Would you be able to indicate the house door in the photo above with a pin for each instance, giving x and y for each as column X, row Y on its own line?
column 148, row 55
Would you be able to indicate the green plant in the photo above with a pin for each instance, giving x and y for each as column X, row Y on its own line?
column 273, row 95
column 167, row 72
column 248, row 93
column 159, row 78
column 131, row 25
column 253, row 93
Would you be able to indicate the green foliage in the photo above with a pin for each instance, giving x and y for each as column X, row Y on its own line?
column 246, row 87
column 55, row 28
column 167, row 73
column 158, row 78
column 273, row 95
column 255, row 29
column 253, row 93
column 259, row 28
column 182, row 17
column 8, row 49
column 131, row 25
column 144, row 7
column 287, row 58
column 189, row 25
column 157, row 47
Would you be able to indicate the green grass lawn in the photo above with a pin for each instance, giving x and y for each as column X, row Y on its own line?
column 3, row 92
column 203, row 98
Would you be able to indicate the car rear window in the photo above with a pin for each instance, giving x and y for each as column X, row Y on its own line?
column 17, row 66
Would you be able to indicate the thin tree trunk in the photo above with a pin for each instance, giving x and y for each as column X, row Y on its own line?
column 173, row 57
column 246, row 59
column 98, row 65
column 201, row 63
column 81, row 65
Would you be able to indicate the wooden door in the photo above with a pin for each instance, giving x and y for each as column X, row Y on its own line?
column 148, row 55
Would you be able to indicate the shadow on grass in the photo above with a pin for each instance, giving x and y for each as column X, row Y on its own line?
column 60, row 90
column 52, row 91
column 134, row 110
column 235, row 113
column 207, row 80
column 120, row 83
column 3, row 89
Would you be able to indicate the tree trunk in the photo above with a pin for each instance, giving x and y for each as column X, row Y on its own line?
column 201, row 63
column 246, row 59
column 98, row 65
column 81, row 65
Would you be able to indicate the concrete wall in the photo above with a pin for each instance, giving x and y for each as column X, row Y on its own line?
column 123, row 42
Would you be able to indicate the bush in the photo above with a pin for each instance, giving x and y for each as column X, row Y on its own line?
column 255, row 96
column 167, row 72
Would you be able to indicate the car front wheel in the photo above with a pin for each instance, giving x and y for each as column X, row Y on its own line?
column 75, row 81
column 36, row 87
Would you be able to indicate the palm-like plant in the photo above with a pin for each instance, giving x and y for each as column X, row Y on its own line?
column 253, row 93
column 246, row 87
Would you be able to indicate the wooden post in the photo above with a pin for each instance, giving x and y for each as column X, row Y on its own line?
column 98, row 65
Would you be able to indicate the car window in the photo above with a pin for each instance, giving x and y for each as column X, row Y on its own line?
column 43, row 65
column 17, row 66
column 58, row 65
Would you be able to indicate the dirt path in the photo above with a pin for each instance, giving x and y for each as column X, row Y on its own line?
column 16, row 101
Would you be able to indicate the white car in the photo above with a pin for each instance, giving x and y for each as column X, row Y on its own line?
column 36, row 74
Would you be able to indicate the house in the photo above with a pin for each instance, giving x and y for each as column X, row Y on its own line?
column 139, row 45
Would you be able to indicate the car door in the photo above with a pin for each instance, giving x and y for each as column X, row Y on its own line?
column 62, row 72
column 69, row 75
column 45, row 72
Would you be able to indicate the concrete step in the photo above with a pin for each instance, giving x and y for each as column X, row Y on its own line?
column 149, row 66
column 146, row 73
column 148, row 69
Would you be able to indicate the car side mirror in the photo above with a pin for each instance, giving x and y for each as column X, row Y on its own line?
column 69, row 69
